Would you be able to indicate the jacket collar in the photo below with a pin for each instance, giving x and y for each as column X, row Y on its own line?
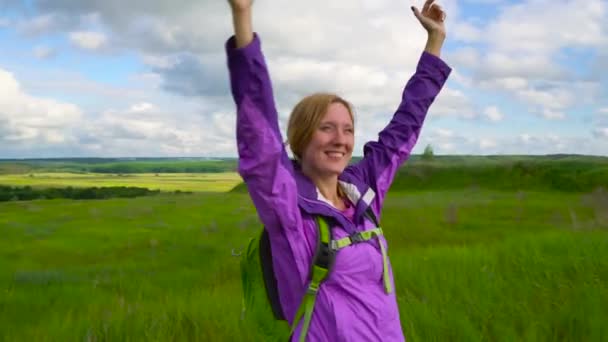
column 312, row 201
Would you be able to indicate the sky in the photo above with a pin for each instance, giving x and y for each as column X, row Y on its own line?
column 148, row 78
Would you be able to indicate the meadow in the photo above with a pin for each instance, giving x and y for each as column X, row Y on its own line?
column 472, row 262
column 198, row 182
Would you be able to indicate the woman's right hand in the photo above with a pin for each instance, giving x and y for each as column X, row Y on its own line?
column 240, row 5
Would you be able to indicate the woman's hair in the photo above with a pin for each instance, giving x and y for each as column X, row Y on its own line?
column 306, row 117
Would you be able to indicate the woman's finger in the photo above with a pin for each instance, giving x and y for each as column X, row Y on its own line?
column 427, row 5
column 436, row 13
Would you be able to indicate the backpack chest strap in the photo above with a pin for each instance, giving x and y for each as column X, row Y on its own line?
column 355, row 238
column 362, row 237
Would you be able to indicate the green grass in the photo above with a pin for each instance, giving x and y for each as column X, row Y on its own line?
column 197, row 182
column 470, row 265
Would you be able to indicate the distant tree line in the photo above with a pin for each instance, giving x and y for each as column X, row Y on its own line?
column 568, row 174
column 115, row 166
column 27, row 193
column 135, row 167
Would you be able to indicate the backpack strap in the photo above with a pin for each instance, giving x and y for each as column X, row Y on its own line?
column 370, row 214
column 366, row 236
column 323, row 261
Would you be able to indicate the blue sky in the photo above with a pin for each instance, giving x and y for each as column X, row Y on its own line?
column 148, row 78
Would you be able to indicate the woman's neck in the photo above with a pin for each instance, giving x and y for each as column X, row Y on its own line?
column 328, row 187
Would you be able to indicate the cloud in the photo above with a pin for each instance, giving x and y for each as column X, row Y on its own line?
column 38, row 127
column 363, row 50
column 453, row 103
column 189, row 75
column 521, row 54
column 492, row 113
column 487, row 143
column 29, row 120
column 601, row 132
column 445, row 141
column 44, row 52
column 485, row 2
column 530, row 26
column 465, row 57
column 88, row 40
column 5, row 22
column 548, row 99
column 46, row 22
column 466, row 32
column 145, row 129
column 39, row 24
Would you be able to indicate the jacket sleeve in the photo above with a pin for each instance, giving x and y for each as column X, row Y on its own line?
column 263, row 162
column 382, row 158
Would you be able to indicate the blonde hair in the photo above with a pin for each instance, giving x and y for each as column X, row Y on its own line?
column 306, row 117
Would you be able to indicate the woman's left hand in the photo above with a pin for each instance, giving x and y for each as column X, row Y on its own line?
column 432, row 18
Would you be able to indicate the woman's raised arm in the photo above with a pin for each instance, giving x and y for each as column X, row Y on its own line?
column 383, row 158
column 263, row 161
column 241, row 20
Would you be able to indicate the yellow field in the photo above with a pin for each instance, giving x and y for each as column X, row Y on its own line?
column 197, row 182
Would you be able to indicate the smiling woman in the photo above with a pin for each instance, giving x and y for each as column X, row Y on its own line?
column 321, row 135
column 322, row 246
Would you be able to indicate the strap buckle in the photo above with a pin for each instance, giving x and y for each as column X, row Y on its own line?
column 334, row 245
column 356, row 238
column 312, row 289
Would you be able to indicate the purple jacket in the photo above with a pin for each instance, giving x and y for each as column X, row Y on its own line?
column 351, row 304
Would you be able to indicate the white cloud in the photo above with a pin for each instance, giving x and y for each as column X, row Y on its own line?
column 467, row 57
column 512, row 84
column 39, row 24
column 160, row 62
column 552, row 114
column 88, row 40
column 548, row 99
column 459, row 78
column 528, row 65
column 530, row 26
column 525, row 138
column 603, row 110
column 44, row 52
column 601, row 132
column 517, row 56
column 368, row 87
column 443, row 133
column 142, row 107
column 453, row 103
column 492, row 113
column 523, row 143
column 145, row 129
column 29, row 120
column 523, row 56
column 466, row 32
column 486, row 143
column 485, row 2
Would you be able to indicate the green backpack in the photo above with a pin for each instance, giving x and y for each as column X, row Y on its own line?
column 262, row 311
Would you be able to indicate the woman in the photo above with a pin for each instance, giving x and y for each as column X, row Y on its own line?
column 357, row 302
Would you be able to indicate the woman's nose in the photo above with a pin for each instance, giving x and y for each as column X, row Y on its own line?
column 340, row 137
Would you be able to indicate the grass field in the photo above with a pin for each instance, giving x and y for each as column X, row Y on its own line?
column 470, row 265
column 196, row 182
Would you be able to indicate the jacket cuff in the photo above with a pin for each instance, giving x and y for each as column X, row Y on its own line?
column 249, row 49
column 433, row 64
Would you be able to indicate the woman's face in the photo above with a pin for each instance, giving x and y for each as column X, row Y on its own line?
column 331, row 146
